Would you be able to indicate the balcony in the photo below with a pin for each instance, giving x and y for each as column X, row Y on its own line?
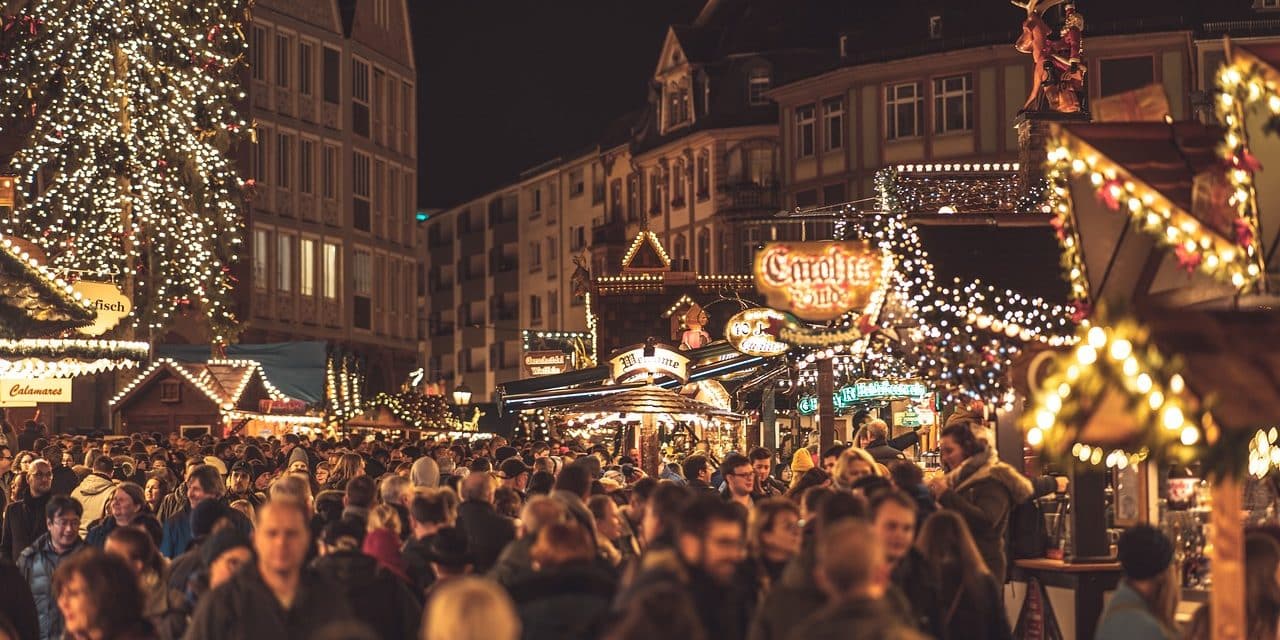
column 747, row 197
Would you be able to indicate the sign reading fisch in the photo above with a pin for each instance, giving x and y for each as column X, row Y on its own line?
column 546, row 363
column 107, row 300
column 632, row 363
column 818, row 281
column 19, row 392
column 748, row 332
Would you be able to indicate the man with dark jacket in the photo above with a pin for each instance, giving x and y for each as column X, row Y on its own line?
column 176, row 501
column 710, row 544
column 486, row 530
column 881, row 447
column 18, row 606
column 851, row 564
column 24, row 520
column 203, row 483
column 762, row 463
column 274, row 597
column 379, row 598
column 428, row 514
column 697, row 475
column 64, row 478
column 913, row 589
column 39, row 561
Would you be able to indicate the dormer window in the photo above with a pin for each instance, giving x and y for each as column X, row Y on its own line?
column 677, row 101
column 935, row 27
column 1268, row 5
column 757, row 84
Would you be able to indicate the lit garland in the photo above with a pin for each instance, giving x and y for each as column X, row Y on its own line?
column 131, row 105
column 418, row 411
column 652, row 238
column 343, row 396
column 532, row 424
column 1263, row 452
column 1116, row 358
column 1246, row 81
column 58, row 306
column 966, row 189
column 1234, row 260
column 204, row 381
column 67, row 358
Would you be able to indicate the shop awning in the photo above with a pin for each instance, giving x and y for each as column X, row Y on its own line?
column 597, row 374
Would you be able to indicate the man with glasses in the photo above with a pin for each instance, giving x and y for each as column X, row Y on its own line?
column 24, row 520
column 39, row 561
column 739, row 479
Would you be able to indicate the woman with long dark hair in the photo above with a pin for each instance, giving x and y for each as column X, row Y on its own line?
column 970, row 602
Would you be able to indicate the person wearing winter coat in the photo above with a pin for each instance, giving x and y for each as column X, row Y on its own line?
column 567, row 595
column 24, row 520
column 487, row 531
column 982, row 489
column 379, row 598
column 203, row 483
column 38, row 562
column 126, row 506
column 275, row 597
column 18, row 606
column 94, row 493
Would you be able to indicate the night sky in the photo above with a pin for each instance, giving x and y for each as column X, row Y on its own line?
column 504, row 85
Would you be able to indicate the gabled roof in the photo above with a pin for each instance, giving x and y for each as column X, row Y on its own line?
column 646, row 254
column 33, row 301
column 223, row 382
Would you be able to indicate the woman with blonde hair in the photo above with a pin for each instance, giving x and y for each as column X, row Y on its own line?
column 384, row 516
column 349, row 466
column 852, row 465
column 468, row 608
column 970, row 602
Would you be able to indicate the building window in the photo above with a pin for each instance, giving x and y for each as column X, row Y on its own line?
column 655, row 191
column 680, row 253
column 577, row 237
column 331, row 73
column 935, row 27
column 551, row 253
column 258, row 52
column 704, row 250
column 615, row 197
column 704, row 175
column 807, row 199
column 262, row 156
column 903, row 105
column 170, row 391
column 329, row 177
column 757, row 84
column 332, row 276
column 284, row 160
column 760, row 166
column 261, row 256
column 360, row 191
column 536, row 197
column 284, row 263
column 833, row 194
column 577, row 183
column 844, row 45
column 633, row 196
column 678, row 183
column 306, row 166
column 362, row 286
column 553, row 304
column 804, row 131
column 305, row 51
column 677, row 104
column 360, row 97
column 307, row 267
column 1267, row 4
column 284, row 45
column 535, row 309
column 833, row 124
column 535, row 256
column 1118, row 75
column 953, row 103
column 382, row 13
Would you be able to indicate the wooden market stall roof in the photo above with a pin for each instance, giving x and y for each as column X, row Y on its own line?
column 226, row 383
column 34, row 301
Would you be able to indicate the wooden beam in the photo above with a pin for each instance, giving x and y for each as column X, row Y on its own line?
column 1227, row 599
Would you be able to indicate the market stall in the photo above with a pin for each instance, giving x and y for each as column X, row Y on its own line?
column 411, row 412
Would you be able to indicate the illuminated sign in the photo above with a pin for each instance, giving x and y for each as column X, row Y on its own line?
column 819, row 281
column 547, row 363
column 861, row 391
column 748, row 332
column 107, row 301
column 27, row 392
column 632, row 364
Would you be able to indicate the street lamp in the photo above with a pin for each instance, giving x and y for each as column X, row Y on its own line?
column 462, row 395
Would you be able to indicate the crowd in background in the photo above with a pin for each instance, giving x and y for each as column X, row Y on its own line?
column 159, row 536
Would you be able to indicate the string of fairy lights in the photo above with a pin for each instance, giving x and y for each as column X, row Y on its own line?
column 962, row 337
column 126, row 171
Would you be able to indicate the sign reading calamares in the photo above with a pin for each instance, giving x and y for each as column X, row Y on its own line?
column 748, row 332
column 818, row 281
column 18, row 392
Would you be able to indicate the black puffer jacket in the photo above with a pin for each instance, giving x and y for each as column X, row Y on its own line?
column 378, row 598
column 37, row 564
column 570, row 602
column 245, row 609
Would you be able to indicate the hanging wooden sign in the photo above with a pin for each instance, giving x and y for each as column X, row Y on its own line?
column 107, row 300
column 818, row 281
column 749, row 332
column 633, row 364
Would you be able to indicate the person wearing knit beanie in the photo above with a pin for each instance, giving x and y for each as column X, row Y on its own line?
column 425, row 473
column 801, row 462
column 299, row 455
column 1139, row 607
column 223, row 553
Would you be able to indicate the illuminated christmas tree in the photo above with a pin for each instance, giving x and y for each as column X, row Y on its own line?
column 127, row 113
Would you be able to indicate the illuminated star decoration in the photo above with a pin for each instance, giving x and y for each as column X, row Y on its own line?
column 126, row 170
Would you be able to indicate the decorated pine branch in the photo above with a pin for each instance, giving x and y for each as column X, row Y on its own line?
column 127, row 112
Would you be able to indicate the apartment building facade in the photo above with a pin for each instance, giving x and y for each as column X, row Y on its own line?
column 332, row 242
column 943, row 101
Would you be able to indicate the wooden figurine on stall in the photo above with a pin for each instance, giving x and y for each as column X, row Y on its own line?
column 694, row 336
column 1059, row 83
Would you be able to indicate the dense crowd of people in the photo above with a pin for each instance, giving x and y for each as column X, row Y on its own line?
column 152, row 536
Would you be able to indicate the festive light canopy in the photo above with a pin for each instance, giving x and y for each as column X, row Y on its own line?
column 67, row 358
column 34, row 301
column 126, row 170
column 223, row 382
